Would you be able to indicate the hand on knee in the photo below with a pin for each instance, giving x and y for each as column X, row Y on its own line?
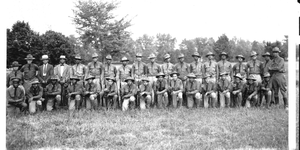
column 197, row 96
column 180, row 95
column 77, row 97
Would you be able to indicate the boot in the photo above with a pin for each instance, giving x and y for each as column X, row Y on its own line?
column 179, row 102
column 285, row 101
column 276, row 100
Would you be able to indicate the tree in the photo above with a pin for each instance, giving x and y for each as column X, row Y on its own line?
column 99, row 28
column 164, row 43
column 222, row 45
column 187, row 47
column 145, row 45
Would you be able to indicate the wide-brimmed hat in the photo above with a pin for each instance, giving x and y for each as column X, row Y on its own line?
column 78, row 57
column 62, row 57
column 160, row 74
column 108, row 57
column 129, row 78
column 29, row 57
column 276, row 50
column 145, row 79
column 54, row 77
column 240, row 56
column 238, row 75
column 167, row 56
column 206, row 75
column 266, row 54
column 224, row 53
column 251, row 77
column 191, row 75
column 124, row 59
column 89, row 77
column 45, row 57
column 223, row 73
column 266, row 74
column 151, row 56
column 15, row 64
column 171, row 74
column 74, row 77
column 253, row 53
column 94, row 55
column 36, row 81
column 138, row 54
column 111, row 78
column 209, row 54
column 15, row 79
column 180, row 56
column 196, row 54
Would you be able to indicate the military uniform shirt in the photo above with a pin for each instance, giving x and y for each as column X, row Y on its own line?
column 266, row 66
column 144, row 88
column 277, row 65
column 161, row 85
column 95, row 69
column 240, row 68
column 75, row 88
column 167, row 68
column 210, row 67
column 176, row 85
column 14, row 93
column 182, row 69
column 255, row 67
column 138, row 68
column 237, row 86
column 110, row 70
column 207, row 87
column 224, row 66
column 196, row 68
column 124, row 72
column 129, row 89
column 191, row 86
column 14, row 74
column 153, row 69
column 79, row 71
column 29, row 71
column 250, row 88
column 38, row 91
column 50, row 88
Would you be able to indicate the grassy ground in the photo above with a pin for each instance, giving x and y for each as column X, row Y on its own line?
column 152, row 129
column 297, row 100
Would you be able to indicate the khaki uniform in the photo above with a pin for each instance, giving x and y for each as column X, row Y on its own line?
column 15, row 94
column 193, row 87
column 255, row 68
column 30, row 74
column 79, row 71
column 224, row 85
column 238, row 97
column 248, row 90
column 225, row 66
column 145, row 99
column 52, row 95
column 75, row 99
column 110, row 96
column 14, row 74
column 96, row 69
column 162, row 99
column 176, row 86
column 266, row 66
column 128, row 100
column 240, row 68
column 167, row 69
column 211, row 67
column 196, row 67
column 183, row 70
column 210, row 99
column 37, row 93
column 91, row 98
column 266, row 92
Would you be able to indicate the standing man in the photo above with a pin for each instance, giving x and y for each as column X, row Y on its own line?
column 175, row 89
column 161, row 88
column 52, row 94
column 109, row 69
column 62, row 70
column 196, row 67
column 30, row 71
column 139, row 70
column 254, row 67
column 277, row 70
column 123, row 73
column 45, row 72
column 182, row 68
column 211, row 67
column 267, row 63
column 78, row 70
column 15, row 97
column 192, row 91
column 95, row 68
column 15, row 73
column 152, row 70
column 225, row 66
column 224, row 88
column 167, row 67
column 35, row 93
column 240, row 67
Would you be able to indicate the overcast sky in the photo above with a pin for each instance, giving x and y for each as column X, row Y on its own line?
column 247, row 19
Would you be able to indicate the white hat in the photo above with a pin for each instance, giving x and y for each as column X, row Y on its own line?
column 45, row 57
column 62, row 57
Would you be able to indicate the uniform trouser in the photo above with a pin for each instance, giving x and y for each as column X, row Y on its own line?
column 120, row 85
column 99, row 100
column 137, row 82
column 268, row 96
column 176, row 98
column 224, row 99
column 127, row 101
column 35, row 105
column 162, row 100
column 11, row 109
column 64, row 99
column 91, row 102
column 53, row 101
column 237, row 99
column 252, row 102
column 145, row 102
column 227, row 77
column 44, row 103
column 111, row 101
column 74, row 103
column 210, row 100
column 213, row 79
column 279, row 84
column 193, row 97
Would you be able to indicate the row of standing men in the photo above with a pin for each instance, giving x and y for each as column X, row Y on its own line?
column 99, row 85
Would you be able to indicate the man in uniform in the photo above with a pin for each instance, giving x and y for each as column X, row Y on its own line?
column 192, row 91
column 15, row 97
column 254, row 67
column 237, row 90
column 74, row 91
column 175, row 89
column 250, row 90
column 240, row 67
column 15, row 73
column 161, row 87
column 152, row 70
column 208, row 90
column 124, row 72
column 45, row 72
column 211, row 67
column 196, row 67
column 95, row 68
column 167, row 66
column 265, row 89
column 109, row 93
column 79, row 70
column 145, row 94
column 109, row 69
column 224, row 66
column 224, row 88
column 139, row 70
column 267, row 63
column 30, row 71
column 90, row 93
column 35, row 93
column 182, row 68
column 128, row 94
column 277, row 71
column 52, row 93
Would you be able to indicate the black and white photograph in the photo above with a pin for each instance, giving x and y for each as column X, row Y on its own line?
column 149, row 74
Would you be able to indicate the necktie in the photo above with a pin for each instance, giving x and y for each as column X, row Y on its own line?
column 138, row 67
column 94, row 64
column 174, row 83
column 90, row 87
column 223, row 85
column 167, row 66
column 53, row 87
column 29, row 66
column 15, row 73
column 254, row 66
column 15, row 93
column 160, row 86
column 240, row 67
column 74, row 87
column 191, row 86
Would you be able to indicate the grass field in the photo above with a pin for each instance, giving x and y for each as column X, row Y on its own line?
column 152, row 129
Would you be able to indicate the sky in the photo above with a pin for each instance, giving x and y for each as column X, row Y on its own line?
column 250, row 20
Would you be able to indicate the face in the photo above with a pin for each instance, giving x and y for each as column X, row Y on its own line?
column 254, row 57
column 223, row 77
column 95, row 59
column 34, row 85
column 29, row 61
column 138, row 58
column 45, row 61
column 250, row 81
column 223, row 57
column 108, row 61
column 181, row 59
column 175, row 76
column 275, row 54
column 237, row 79
column 90, row 80
column 15, row 68
column 110, row 82
column 78, row 61
column 195, row 58
column 240, row 59
column 152, row 60
column 129, row 82
column 73, row 81
column 53, row 81
column 62, row 61
column 168, row 59
column 124, row 62
column 267, row 78
column 210, row 57
column 15, row 84
column 192, row 79
column 145, row 82
column 160, row 78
